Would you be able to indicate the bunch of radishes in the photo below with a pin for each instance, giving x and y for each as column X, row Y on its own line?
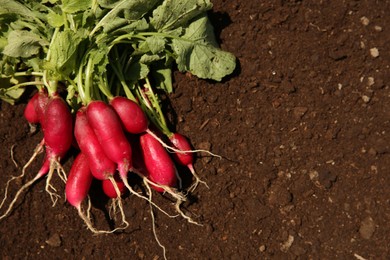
column 113, row 140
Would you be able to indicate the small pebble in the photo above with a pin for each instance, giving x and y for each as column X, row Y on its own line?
column 367, row 228
column 374, row 52
column 54, row 240
column 365, row 21
column 378, row 28
column 366, row 99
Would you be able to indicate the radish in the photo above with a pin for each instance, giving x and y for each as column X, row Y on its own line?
column 101, row 166
column 108, row 129
column 158, row 163
column 56, row 120
column 77, row 188
column 29, row 112
column 186, row 159
column 78, row 183
column 40, row 105
column 131, row 114
column 57, row 125
column 133, row 118
column 114, row 189
column 161, row 170
column 110, row 190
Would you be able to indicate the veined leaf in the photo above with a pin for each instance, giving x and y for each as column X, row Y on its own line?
column 74, row 6
column 65, row 51
column 23, row 44
column 130, row 10
column 197, row 52
column 7, row 93
column 172, row 14
column 14, row 7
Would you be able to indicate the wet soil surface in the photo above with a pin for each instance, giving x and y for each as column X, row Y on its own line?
column 303, row 126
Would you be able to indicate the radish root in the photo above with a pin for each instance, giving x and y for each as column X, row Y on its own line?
column 197, row 179
column 24, row 187
column 154, row 223
column 143, row 197
column 12, row 156
column 118, row 202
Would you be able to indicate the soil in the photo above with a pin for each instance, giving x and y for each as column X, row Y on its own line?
column 303, row 126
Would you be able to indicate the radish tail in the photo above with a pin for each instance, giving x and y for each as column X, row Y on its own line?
column 175, row 150
column 154, row 222
column 197, row 179
column 124, row 179
column 119, row 201
column 49, row 187
column 24, row 187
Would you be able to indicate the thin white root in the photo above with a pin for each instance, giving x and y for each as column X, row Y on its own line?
column 197, row 179
column 171, row 191
column 190, row 220
column 49, row 187
column 6, row 191
column 12, row 156
column 175, row 150
column 118, row 202
column 154, row 223
column 112, row 209
column 24, row 187
column 147, row 185
column 143, row 197
column 38, row 149
column 61, row 172
column 87, row 221
column 89, row 207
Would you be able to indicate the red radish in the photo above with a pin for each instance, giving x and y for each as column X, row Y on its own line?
column 158, row 163
column 133, row 118
column 186, row 159
column 41, row 103
column 56, row 120
column 57, row 127
column 108, row 129
column 29, row 112
column 79, row 181
column 109, row 189
column 131, row 114
column 161, row 169
column 101, row 166
column 181, row 143
column 77, row 187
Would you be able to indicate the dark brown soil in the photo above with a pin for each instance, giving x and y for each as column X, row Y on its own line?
column 303, row 124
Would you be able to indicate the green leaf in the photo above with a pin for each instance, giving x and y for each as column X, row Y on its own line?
column 14, row 7
column 176, row 13
column 130, row 10
column 156, row 44
column 55, row 19
column 65, row 51
column 163, row 79
column 197, row 52
column 7, row 93
column 147, row 58
column 23, row 44
column 137, row 71
column 74, row 6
